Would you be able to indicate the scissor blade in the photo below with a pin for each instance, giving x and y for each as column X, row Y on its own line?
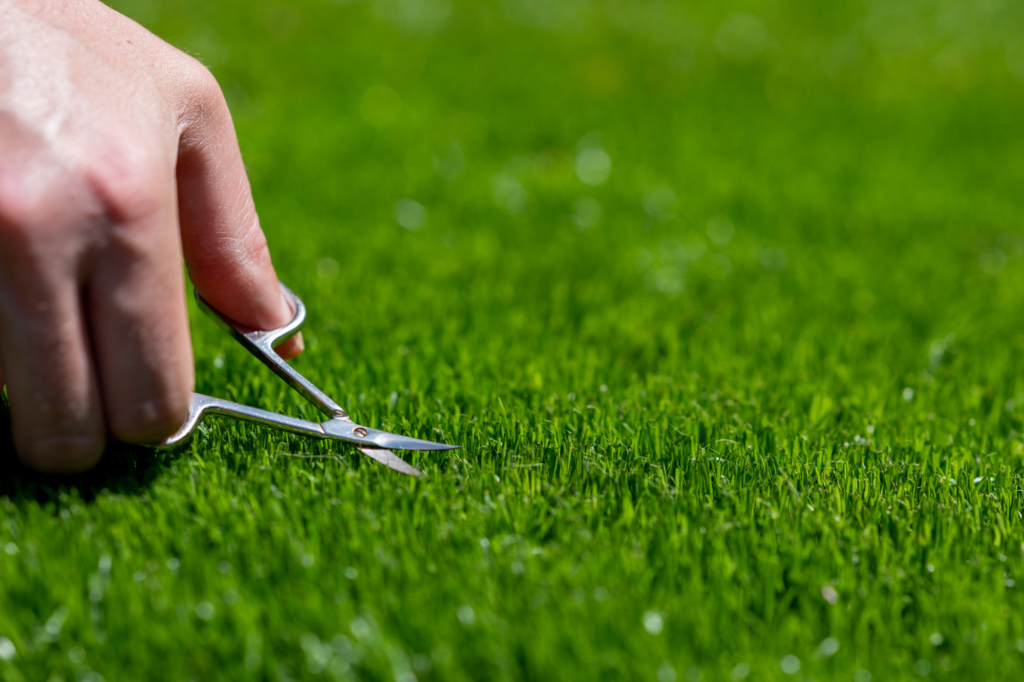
column 391, row 461
column 343, row 429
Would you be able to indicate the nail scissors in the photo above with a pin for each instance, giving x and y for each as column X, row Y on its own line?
column 375, row 444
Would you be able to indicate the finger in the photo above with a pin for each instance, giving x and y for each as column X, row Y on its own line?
column 52, row 389
column 224, row 247
column 55, row 403
column 136, row 304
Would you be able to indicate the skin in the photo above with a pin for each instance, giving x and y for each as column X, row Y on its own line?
column 118, row 160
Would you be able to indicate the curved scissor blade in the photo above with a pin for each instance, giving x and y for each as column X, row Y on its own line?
column 350, row 432
column 391, row 461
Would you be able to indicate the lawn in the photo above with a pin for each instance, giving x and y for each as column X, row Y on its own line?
column 724, row 303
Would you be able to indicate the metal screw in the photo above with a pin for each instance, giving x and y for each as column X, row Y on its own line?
column 360, row 431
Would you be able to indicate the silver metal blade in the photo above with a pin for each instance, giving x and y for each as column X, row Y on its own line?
column 350, row 432
column 391, row 461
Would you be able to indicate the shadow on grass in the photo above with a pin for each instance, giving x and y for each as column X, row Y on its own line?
column 124, row 469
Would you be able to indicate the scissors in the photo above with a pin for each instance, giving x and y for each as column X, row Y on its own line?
column 373, row 443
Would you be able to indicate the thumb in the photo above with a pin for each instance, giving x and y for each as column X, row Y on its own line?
column 225, row 249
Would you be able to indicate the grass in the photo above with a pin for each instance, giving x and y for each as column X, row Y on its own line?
column 788, row 451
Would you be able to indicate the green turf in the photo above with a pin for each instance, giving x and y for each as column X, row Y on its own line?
column 686, row 457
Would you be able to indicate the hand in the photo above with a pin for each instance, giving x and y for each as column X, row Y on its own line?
column 117, row 157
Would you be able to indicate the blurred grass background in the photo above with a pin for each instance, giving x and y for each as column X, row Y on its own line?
column 723, row 300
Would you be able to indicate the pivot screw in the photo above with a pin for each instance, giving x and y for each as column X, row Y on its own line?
column 360, row 431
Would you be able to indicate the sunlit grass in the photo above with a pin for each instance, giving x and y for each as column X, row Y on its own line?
column 725, row 309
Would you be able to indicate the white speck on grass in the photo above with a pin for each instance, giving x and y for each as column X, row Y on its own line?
column 992, row 261
column 205, row 610
column 307, row 560
column 741, row 671
column 828, row 647
column 360, row 628
column 7, row 650
column 742, row 37
column 790, row 664
column 593, row 166
column 351, row 573
column 450, row 163
column 666, row 673
column 328, row 268
column 509, row 193
column 11, row 548
column 587, row 213
column 56, row 622
column 173, row 564
column 936, row 639
column 829, row 594
column 773, row 259
column 660, row 203
column 76, row 654
column 922, row 668
column 421, row 17
column 654, row 623
column 667, row 280
column 518, row 568
column 908, row 394
column 466, row 615
column 720, row 229
column 139, row 576
column 410, row 214
column 862, row 676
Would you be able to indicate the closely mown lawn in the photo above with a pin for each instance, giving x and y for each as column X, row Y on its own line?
column 747, row 403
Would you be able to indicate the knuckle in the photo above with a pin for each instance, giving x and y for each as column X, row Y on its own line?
column 204, row 85
column 203, row 98
column 131, row 183
column 22, row 202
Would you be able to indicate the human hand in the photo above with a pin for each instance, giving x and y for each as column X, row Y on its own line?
column 117, row 158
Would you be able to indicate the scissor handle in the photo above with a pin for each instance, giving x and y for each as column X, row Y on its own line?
column 261, row 344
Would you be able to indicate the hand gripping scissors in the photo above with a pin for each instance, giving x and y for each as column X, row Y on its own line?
column 375, row 444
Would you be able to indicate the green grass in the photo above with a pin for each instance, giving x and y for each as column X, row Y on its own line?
column 684, row 459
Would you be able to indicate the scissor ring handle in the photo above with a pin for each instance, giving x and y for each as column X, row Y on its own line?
column 261, row 344
column 246, row 335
